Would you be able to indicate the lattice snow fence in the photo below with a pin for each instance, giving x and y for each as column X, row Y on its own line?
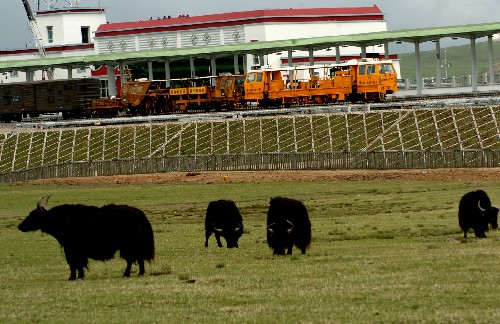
column 391, row 130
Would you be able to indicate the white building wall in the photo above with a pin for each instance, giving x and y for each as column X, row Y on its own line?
column 279, row 31
column 67, row 26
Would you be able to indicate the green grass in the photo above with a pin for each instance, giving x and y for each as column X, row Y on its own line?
column 382, row 251
column 460, row 57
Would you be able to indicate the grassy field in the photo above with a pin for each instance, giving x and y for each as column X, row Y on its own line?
column 382, row 251
column 459, row 56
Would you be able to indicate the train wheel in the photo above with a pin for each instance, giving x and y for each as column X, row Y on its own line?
column 148, row 106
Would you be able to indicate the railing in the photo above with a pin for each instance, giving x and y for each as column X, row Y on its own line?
column 266, row 161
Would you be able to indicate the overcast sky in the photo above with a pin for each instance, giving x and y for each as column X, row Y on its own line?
column 399, row 14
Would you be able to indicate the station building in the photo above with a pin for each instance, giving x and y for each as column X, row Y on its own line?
column 85, row 31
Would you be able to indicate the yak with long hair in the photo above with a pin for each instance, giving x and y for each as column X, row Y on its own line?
column 288, row 225
column 476, row 212
column 95, row 232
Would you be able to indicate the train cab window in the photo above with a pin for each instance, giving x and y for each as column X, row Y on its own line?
column 251, row 77
column 254, row 77
column 370, row 69
column 362, row 69
column 386, row 68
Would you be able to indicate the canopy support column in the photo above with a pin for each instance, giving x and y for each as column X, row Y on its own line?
column 438, row 63
column 150, row 70
column 167, row 73
column 311, row 56
column 191, row 64
column 474, row 63
column 490, row 60
column 111, row 80
column 70, row 72
column 236, row 62
column 417, row 65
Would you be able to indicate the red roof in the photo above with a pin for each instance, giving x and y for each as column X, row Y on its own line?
column 241, row 18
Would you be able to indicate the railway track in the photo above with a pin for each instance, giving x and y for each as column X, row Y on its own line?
column 392, row 102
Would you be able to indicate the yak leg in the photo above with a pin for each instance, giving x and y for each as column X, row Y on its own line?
column 141, row 267
column 479, row 233
column 207, row 235
column 72, row 269
column 129, row 267
column 81, row 274
column 76, row 263
column 217, row 237
column 289, row 249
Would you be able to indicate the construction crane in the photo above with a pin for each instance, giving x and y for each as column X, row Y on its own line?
column 37, row 35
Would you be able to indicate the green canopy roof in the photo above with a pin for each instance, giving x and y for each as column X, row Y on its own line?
column 366, row 39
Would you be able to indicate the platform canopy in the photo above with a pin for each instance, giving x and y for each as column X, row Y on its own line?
column 316, row 43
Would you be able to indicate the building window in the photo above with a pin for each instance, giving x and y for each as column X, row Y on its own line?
column 14, row 74
column 80, row 70
column 85, row 34
column 50, row 34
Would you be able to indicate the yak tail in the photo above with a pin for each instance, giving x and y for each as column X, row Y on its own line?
column 148, row 244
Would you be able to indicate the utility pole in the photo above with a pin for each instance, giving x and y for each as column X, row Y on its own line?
column 446, row 64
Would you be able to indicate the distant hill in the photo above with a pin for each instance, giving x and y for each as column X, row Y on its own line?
column 460, row 57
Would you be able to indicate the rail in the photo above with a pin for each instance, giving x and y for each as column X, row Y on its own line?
column 428, row 159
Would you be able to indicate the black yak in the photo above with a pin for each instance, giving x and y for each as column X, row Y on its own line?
column 223, row 219
column 288, row 224
column 475, row 212
column 97, row 233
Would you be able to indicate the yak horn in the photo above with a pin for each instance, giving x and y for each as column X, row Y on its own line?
column 479, row 206
column 270, row 229
column 238, row 227
column 39, row 203
column 218, row 230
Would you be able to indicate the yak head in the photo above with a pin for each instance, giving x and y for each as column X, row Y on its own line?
column 279, row 235
column 231, row 233
column 490, row 214
column 35, row 219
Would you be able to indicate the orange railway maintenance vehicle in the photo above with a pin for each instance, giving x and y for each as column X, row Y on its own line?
column 365, row 80
column 144, row 97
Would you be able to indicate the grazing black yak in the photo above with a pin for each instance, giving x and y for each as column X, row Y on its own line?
column 223, row 219
column 475, row 212
column 288, row 225
column 97, row 233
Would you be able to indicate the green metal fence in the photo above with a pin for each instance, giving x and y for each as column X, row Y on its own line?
column 383, row 160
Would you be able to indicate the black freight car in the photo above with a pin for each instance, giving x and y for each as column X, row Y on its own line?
column 69, row 97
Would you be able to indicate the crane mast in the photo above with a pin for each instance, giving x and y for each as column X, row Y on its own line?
column 37, row 35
